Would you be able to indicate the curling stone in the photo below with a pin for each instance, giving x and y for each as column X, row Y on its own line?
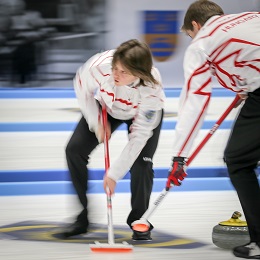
column 231, row 233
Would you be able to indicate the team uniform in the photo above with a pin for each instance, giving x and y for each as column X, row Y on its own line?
column 227, row 47
column 139, row 107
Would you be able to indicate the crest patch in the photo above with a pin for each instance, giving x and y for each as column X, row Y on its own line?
column 149, row 115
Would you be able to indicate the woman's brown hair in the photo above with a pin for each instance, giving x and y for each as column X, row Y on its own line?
column 136, row 57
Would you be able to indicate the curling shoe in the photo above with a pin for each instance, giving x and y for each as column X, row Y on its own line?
column 248, row 251
column 74, row 230
column 141, row 236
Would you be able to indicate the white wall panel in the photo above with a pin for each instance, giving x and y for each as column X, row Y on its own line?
column 125, row 21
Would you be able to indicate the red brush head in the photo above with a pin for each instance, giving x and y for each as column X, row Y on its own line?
column 111, row 250
column 141, row 227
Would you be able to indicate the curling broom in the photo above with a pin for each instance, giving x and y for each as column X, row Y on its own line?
column 142, row 225
column 111, row 246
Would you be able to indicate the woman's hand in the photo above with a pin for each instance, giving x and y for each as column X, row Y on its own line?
column 100, row 134
column 109, row 184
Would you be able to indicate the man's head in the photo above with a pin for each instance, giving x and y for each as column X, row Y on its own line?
column 197, row 15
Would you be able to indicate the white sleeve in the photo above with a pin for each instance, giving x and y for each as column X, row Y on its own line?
column 194, row 100
column 146, row 120
column 85, row 88
column 137, row 140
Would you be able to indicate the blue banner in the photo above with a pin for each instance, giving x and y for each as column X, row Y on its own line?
column 161, row 29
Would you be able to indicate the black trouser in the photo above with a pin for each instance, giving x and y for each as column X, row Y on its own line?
column 242, row 155
column 80, row 146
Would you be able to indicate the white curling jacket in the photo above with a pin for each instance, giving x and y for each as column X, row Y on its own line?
column 227, row 47
column 144, row 104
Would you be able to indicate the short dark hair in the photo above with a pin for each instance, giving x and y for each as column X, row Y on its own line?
column 200, row 11
column 136, row 57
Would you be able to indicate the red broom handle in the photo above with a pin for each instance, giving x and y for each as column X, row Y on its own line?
column 104, row 118
column 213, row 129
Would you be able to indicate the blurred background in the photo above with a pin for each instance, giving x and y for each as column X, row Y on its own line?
column 42, row 43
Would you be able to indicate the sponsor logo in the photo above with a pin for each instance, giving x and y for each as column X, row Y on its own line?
column 147, row 159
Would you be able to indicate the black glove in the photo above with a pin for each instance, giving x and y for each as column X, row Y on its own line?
column 177, row 172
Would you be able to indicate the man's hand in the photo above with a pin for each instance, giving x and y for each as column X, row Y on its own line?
column 177, row 172
column 109, row 184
